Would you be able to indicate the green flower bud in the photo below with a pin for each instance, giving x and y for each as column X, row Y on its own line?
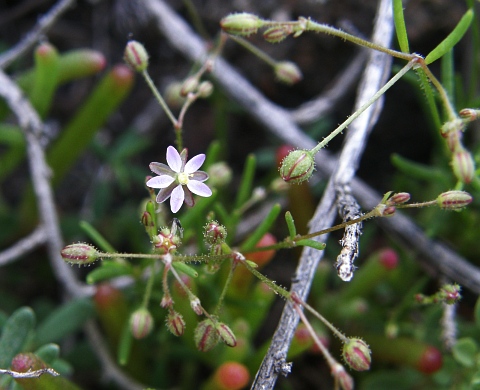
column 277, row 34
column 243, row 24
column 136, row 56
column 206, row 336
column 356, row 354
column 79, row 254
column 288, row 73
column 297, row 167
column 226, row 334
column 463, row 165
column 205, row 89
column 175, row 323
column 220, row 174
column 214, row 233
column 454, row 200
column 189, row 85
column 141, row 323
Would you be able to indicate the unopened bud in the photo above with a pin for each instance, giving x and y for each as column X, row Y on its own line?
column 79, row 254
column 470, row 114
column 136, row 56
column 454, row 200
column 297, row 167
column 344, row 379
column 214, row 233
column 172, row 95
column 450, row 293
column 356, row 354
column 463, row 165
column 277, row 34
column 206, row 336
column 288, row 73
column 175, row 323
column 226, row 334
column 220, row 174
column 196, row 306
column 141, row 323
column 189, row 85
column 454, row 140
column 399, row 198
column 205, row 89
column 243, row 24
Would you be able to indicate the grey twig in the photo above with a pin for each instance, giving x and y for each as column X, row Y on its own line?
column 30, row 374
column 23, row 246
column 43, row 24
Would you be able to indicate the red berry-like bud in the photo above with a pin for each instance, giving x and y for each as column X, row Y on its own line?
column 231, row 376
column 297, row 167
column 206, row 336
column 175, row 323
column 463, row 165
column 454, row 200
column 288, row 73
column 226, row 334
column 79, row 254
column 356, row 354
column 136, row 56
column 389, row 258
column 263, row 257
column 243, row 24
column 141, row 323
column 430, row 361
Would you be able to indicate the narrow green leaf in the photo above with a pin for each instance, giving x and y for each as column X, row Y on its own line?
column 452, row 39
column 245, row 189
column 64, row 320
column 476, row 313
column 312, row 244
column 418, row 171
column 108, row 270
column 125, row 345
column 261, row 229
column 15, row 333
column 292, row 230
column 96, row 237
column 400, row 28
column 187, row 270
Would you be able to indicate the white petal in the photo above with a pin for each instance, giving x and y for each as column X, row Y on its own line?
column 195, row 163
column 160, row 181
column 173, row 159
column 199, row 188
column 176, row 199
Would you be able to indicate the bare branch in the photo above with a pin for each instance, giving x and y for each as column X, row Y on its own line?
column 23, row 246
column 44, row 23
column 30, row 374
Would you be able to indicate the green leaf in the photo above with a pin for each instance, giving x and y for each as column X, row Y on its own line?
column 125, row 345
column 418, row 171
column 48, row 353
column 400, row 28
column 247, row 180
column 477, row 313
column 96, row 237
column 292, row 230
column 261, row 229
column 15, row 333
column 464, row 351
column 312, row 244
column 452, row 39
column 187, row 270
column 65, row 320
column 108, row 270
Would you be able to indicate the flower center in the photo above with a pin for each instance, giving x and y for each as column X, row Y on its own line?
column 182, row 178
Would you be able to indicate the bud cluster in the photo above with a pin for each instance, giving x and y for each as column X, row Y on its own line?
column 449, row 293
column 209, row 332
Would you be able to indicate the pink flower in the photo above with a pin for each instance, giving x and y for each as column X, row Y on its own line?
column 179, row 179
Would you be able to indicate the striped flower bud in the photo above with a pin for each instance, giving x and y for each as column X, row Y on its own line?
column 136, row 56
column 175, row 323
column 79, row 254
column 243, row 24
column 214, row 233
column 206, row 336
column 288, row 73
column 356, row 354
column 454, row 200
column 463, row 165
column 277, row 34
column 226, row 334
column 297, row 167
column 141, row 323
